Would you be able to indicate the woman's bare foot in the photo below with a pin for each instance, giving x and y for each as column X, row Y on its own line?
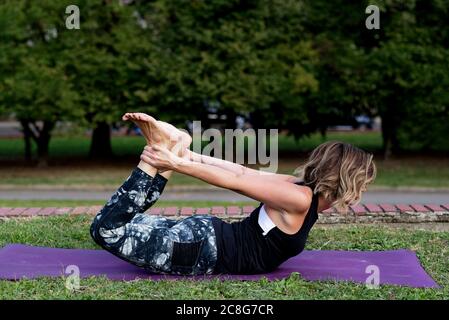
column 149, row 128
column 160, row 132
column 181, row 140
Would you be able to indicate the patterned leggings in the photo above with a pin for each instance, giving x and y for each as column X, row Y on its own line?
column 160, row 245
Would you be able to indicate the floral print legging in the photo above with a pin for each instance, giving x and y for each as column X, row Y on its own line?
column 158, row 244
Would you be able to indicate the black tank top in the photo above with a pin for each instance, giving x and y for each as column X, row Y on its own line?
column 243, row 249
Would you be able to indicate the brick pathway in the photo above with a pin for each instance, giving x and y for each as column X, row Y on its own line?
column 362, row 213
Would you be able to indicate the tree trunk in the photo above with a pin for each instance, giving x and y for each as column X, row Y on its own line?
column 230, row 119
column 41, row 136
column 389, row 136
column 27, row 136
column 100, row 146
column 43, row 142
column 323, row 132
column 42, row 153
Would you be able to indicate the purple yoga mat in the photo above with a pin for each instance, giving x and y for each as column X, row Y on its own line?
column 396, row 267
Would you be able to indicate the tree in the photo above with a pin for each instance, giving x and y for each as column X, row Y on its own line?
column 35, row 87
column 338, row 34
column 249, row 56
column 105, row 59
column 395, row 72
column 51, row 73
column 407, row 73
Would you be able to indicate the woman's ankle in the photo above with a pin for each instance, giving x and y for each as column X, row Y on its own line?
column 148, row 169
column 166, row 174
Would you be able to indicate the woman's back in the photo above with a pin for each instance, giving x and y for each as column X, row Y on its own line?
column 243, row 248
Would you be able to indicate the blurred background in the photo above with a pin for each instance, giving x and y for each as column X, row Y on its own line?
column 309, row 68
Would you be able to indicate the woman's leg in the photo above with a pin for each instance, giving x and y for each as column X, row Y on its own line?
column 161, row 245
column 122, row 228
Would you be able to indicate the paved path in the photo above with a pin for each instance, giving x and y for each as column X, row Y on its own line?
column 220, row 195
column 10, row 129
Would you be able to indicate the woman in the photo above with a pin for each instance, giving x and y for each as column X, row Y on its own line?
column 335, row 174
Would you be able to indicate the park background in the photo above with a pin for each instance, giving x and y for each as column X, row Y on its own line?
column 311, row 69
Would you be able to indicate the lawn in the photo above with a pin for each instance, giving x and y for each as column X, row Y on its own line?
column 72, row 232
column 71, row 168
column 78, row 146
column 421, row 172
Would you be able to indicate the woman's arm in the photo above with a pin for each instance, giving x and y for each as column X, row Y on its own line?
column 276, row 193
column 235, row 167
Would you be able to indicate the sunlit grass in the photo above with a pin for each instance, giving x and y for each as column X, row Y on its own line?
column 78, row 172
column 73, row 232
column 78, row 146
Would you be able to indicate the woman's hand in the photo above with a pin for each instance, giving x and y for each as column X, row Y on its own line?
column 160, row 157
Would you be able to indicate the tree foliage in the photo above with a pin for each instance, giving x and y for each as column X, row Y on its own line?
column 397, row 72
column 296, row 65
column 248, row 56
column 34, row 84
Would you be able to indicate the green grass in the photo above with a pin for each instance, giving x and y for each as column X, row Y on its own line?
column 430, row 173
column 72, row 232
column 82, row 203
column 433, row 173
column 78, row 172
column 102, row 176
column 72, row 147
column 78, row 146
column 370, row 141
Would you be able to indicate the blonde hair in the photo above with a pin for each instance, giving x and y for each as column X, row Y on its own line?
column 339, row 172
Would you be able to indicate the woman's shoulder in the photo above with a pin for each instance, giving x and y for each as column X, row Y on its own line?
column 304, row 196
